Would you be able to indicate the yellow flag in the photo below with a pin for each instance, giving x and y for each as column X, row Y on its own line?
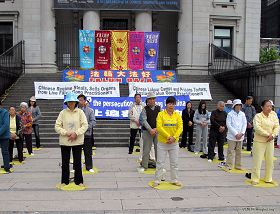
column 119, row 50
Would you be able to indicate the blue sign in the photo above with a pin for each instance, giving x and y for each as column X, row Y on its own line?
column 86, row 38
column 117, row 107
column 123, row 77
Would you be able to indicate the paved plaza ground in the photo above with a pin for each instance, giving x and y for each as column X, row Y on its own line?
column 119, row 188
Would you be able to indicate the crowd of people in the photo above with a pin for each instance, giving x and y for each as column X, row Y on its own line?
column 159, row 132
column 232, row 122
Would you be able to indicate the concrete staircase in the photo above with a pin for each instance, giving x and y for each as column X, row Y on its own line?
column 111, row 133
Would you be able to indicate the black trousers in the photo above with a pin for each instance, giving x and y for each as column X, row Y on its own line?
column 77, row 162
column 28, row 142
column 88, row 152
column 215, row 136
column 37, row 135
column 19, row 145
column 133, row 133
column 187, row 131
column 249, row 138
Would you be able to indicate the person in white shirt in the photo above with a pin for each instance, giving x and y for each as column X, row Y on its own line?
column 236, row 124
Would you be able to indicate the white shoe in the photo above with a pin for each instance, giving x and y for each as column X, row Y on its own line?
column 91, row 170
column 210, row 161
column 196, row 153
column 141, row 169
column 32, row 154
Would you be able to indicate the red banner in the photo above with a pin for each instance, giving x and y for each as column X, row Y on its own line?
column 136, row 50
column 102, row 50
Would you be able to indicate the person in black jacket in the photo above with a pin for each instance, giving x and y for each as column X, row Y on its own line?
column 218, row 132
column 187, row 116
column 15, row 134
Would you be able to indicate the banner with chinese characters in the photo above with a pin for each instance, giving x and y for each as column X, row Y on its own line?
column 119, row 50
column 123, row 77
column 136, row 50
column 117, row 107
column 151, row 50
column 57, row 90
column 86, row 38
column 102, row 47
column 196, row 91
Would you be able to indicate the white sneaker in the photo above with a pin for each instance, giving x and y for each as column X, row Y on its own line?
column 210, row 161
column 141, row 169
column 196, row 153
column 91, row 170
column 32, row 154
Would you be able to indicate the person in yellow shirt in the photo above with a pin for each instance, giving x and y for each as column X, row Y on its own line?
column 71, row 125
column 266, row 126
column 169, row 126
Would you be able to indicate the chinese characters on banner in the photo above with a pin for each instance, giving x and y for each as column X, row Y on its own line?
column 119, row 50
column 151, row 50
column 102, row 50
column 136, row 50
column 86, row 38
column 121, row 76
column 117, row 107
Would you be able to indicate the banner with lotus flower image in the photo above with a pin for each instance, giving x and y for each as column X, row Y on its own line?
column 86, row 38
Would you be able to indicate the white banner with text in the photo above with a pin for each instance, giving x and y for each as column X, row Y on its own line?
column 57, row 90
column 196, row 91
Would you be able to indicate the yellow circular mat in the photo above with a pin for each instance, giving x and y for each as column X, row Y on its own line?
column 70, row 187
column 263, row 184
column 16, row 163
column 150, row 171
column 37, row 149
column 85, row 172
column 2, row 171
column 245, row 152
column 134, row 150
column 26, row 155
column 93, row 148
column 235, row 171
column 165, row 185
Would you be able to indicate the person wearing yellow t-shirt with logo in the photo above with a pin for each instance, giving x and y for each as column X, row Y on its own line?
column 169, row 126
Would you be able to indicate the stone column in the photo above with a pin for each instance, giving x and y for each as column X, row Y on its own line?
column 143, row 21
column 48, row 45
column 91, row 20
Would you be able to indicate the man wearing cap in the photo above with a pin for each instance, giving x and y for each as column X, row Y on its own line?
column 236, row 123
column 88, row 135
column 4, row 137
column 148, row 118
column 250, row 113
column 134, row 113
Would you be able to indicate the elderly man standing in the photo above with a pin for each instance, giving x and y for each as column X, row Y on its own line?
column 88, row 135
column 250, row 113
column 217, row 132
column 148, row 118
column 236, row 124
column 134, row 113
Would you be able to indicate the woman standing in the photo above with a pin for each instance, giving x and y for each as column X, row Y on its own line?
column 26, row 120
column 169, row 126
column 36, row 114
column 266, row 127
column 15, row 134
column 71, row 125
column 202, row 120
column 187, row 116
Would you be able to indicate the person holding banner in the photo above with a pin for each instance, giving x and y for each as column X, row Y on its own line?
column 148, row 121
column 134, row 113
column 88, row 135
column 169, row 126
column 71, row 125
column 187, row 116
column 202, row 120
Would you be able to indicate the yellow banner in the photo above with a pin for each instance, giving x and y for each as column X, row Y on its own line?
column 119, row 50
